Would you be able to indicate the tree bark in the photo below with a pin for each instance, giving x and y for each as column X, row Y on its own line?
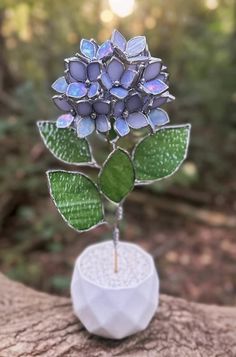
column 38, row 324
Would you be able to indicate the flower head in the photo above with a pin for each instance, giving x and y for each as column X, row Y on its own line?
column 115, row 84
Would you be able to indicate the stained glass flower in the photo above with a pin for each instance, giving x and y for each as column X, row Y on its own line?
column 91, row 116
column 82, row 78
column 128, row 114
column 117, row 78
column 154, row 79
column 91, row 50
column 134, row 51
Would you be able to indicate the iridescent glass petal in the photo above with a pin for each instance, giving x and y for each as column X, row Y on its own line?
column 85, row 126
column 64, row 121
column 137, row 120
column 121, row 126
column 76, row 90
column 60, row 85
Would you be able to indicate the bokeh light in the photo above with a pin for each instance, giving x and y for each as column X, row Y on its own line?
column 122, row 8
column 106, row 16
column 212, row 4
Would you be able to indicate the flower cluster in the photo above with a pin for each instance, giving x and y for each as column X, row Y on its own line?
column 117, row 84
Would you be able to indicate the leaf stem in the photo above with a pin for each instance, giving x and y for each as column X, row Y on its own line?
column 116, row 234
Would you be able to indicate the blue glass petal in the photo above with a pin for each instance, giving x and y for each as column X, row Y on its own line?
column 106, row 81
column 105, row 50
column 164, row 98
column 88, row 48
column 115, row 69
column 84, row 108
column 94, row 70
column 134, row 103
column 85, row 126
column 158, row 117
column 152, row 70
column 155, row 87
column 119, row 92
column 119, row 107
column 76, row 90
column 60, row 85
column 93, row 89
column 137, row 120
column 121, row 127
column 101, row 107
column 102, row 124
column 77, row 70
column 62, row 103
column 64, row 121
column 128, row 78
column 135, row 46
column 118, row 40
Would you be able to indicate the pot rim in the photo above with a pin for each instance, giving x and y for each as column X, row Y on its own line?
column 133, row 286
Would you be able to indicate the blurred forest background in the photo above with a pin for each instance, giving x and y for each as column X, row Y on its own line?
column 188, row 222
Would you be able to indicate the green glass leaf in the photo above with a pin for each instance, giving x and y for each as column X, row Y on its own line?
column 159, row 155
column 76, row 198
column 117, row 176
column 64, row 144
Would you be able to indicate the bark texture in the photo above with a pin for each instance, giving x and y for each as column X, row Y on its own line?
column 37, row 324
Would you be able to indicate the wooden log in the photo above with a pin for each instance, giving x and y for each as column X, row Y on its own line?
column 37, row 324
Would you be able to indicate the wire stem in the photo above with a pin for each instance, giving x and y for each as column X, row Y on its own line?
column 116, row 235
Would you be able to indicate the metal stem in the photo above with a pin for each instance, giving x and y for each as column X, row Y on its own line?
column 116, row 234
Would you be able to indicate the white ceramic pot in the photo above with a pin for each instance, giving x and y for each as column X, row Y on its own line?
column 114, row 305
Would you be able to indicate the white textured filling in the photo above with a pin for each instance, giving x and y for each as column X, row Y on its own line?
column 97, row 265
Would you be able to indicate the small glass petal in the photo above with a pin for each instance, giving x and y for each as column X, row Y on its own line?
column 121, row 126
column 135, row 46
column 128, row 78
column 158, row 117
column 105, row 79
column 76, row 90
column 118, row 108
column 62, row 103
column 105, row 50
column 93, row 89
column 118, row 40
column 163, row 99
column 88, row 48
column 115, row 69
column 119, row 92
column 102, row 124
column 78, row 70
column 85, row 126
column 137, row 120
column 152, row 70
column 134, row 103
column 101, row 107
column 155, row 87
column 158, row 101
column 60, row 85
column 94, row 70
column 84, row 108
column 64, row 121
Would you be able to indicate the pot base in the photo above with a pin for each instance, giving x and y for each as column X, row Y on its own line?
column 109, row 304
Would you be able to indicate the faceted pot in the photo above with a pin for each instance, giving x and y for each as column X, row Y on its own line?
column 115, row 304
